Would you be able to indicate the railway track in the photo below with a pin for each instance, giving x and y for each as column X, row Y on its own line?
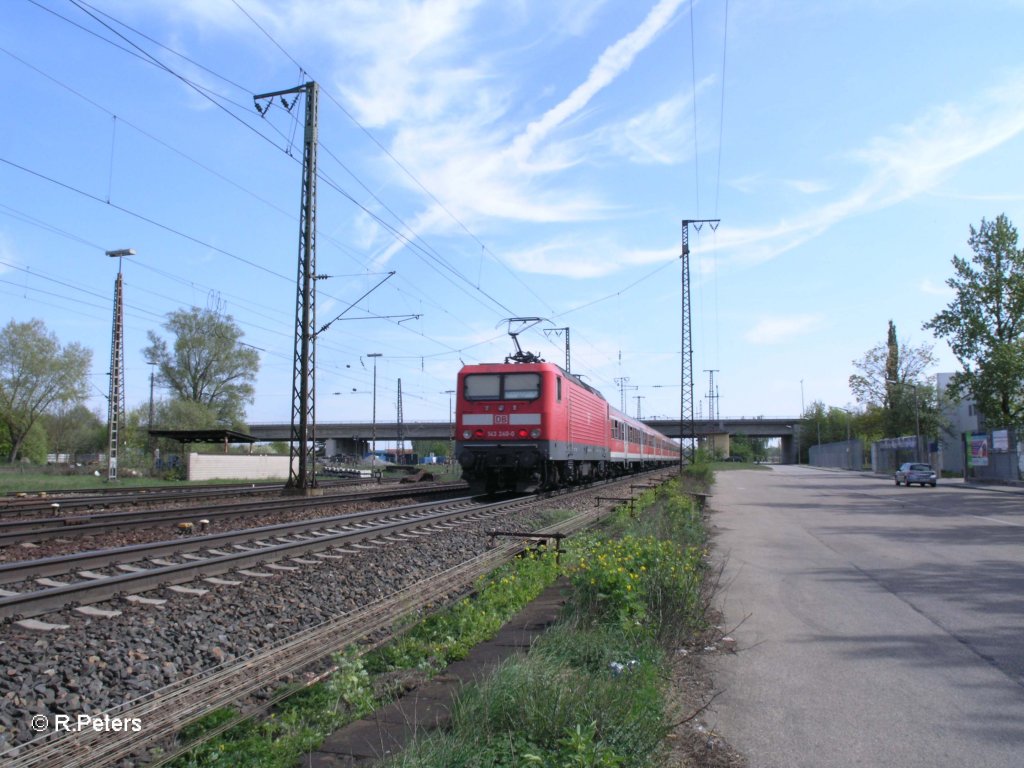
column 61, row 501
column 42, row 528
column 140, row 568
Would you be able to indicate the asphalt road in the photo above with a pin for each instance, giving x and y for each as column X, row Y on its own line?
column 876, row 626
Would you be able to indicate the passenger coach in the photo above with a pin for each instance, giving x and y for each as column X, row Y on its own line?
column 529, row 426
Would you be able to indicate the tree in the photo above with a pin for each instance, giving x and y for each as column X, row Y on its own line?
column 823, row 424
column 749, row 448
column 73, row 429
column 892, row 380
column 36, row 375
column 209, row 365
column 984, row 323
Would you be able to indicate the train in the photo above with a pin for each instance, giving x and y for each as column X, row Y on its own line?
column 532, row 426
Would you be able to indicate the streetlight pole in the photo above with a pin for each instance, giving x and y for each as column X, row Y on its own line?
column 115, row 398
column 373, row 429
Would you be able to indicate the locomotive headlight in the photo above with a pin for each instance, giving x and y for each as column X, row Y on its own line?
column 466, row 435
column 534, row 433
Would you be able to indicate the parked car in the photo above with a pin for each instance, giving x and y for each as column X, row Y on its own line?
column 915, row 472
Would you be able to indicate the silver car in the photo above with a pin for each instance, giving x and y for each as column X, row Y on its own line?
column 915, row 472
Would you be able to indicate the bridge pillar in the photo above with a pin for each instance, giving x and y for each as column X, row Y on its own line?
column 788, row 450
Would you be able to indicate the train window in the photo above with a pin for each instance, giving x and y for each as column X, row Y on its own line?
column 522, row 386
column 495, row 386
column 559, row 388
column 482, row 386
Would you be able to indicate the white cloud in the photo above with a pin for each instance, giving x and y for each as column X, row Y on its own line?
column 777, row 329
column 615, row 60
column 910, row 160
column 656, row 136
column 583, row 260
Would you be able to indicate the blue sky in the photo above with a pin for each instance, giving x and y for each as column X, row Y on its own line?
column 536, row 159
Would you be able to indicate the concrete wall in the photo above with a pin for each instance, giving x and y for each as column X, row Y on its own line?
column 220, row 466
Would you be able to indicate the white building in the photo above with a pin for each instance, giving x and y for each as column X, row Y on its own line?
column 957, row 417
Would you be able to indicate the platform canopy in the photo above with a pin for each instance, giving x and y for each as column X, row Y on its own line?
column 224, row 436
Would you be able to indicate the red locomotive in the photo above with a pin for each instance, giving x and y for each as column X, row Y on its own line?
column 530, row 425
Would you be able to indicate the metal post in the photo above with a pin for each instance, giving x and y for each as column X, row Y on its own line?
column 687, row 427
column 302, row 467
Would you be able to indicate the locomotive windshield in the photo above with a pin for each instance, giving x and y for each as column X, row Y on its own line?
column 498, row 386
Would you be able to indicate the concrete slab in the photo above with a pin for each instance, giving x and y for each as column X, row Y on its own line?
column 255, row 574
column 100, row 613
column 516, row 637
column 368, row 739
column 47, row 582
column 41, row 626
column 221, row 582
column 426, row 707
column 139, row 599
column 195, row 591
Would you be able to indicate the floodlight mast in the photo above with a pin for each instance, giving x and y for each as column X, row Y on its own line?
column 115, row 397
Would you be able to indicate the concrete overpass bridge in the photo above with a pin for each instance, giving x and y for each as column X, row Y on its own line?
column 355, row 436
